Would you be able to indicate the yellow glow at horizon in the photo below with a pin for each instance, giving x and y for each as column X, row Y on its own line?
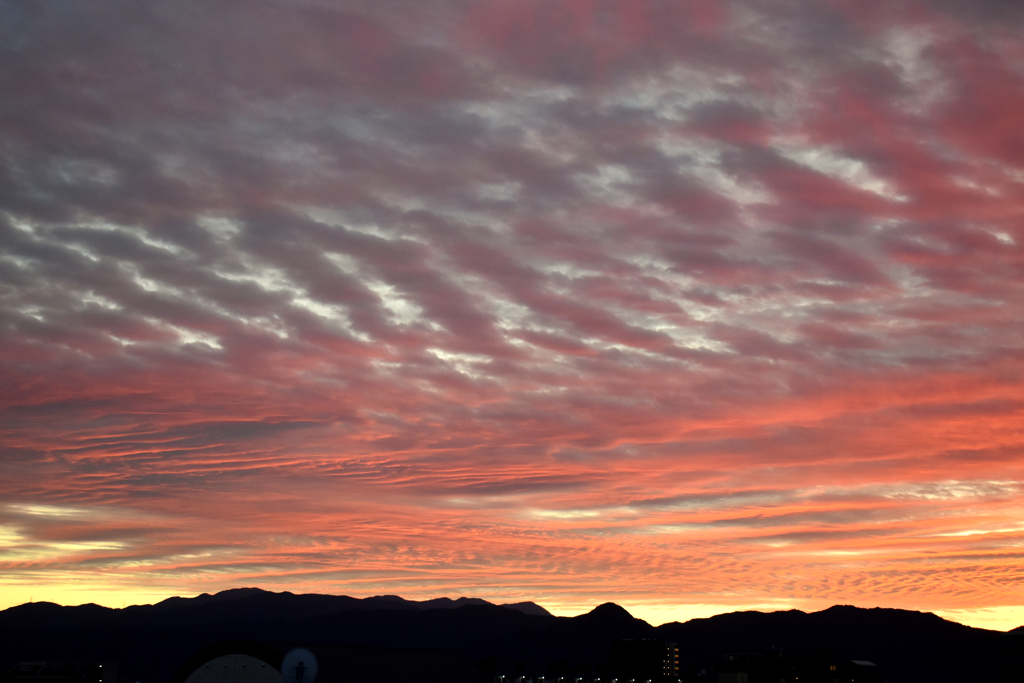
column 995, row 618
column 15, row 594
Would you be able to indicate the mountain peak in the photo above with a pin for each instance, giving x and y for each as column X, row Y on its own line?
column 609, row 611
column 528, row 608
column 236, row 593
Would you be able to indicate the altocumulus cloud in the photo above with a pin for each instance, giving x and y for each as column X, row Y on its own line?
column 673, row 303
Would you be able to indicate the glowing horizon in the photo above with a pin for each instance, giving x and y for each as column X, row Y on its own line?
column 684, row 306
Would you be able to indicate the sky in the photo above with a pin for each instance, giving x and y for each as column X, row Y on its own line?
column 694, row 306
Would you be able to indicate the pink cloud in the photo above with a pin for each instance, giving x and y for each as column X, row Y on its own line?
column 560, row 301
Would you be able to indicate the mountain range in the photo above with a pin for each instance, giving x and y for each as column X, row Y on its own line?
column 150, row 642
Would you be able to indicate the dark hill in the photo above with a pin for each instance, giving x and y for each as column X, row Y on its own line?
column 907, row 646
column 151, row 641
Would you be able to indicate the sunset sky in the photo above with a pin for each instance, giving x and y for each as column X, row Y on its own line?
column 690, row 305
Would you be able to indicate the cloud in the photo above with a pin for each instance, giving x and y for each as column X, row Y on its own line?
column 514, row 299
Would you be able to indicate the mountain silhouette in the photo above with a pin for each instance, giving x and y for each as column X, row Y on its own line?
column 150, row 642
column 905, row 645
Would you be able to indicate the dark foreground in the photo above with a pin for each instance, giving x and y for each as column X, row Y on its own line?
column 474, row 640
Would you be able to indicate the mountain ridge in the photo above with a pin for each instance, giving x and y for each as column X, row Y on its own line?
column 150, row 641
column 234, row 594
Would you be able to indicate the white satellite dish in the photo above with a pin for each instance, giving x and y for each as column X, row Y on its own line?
column 298, row 666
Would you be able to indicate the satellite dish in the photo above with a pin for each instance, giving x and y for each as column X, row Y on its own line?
column 298, row 666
